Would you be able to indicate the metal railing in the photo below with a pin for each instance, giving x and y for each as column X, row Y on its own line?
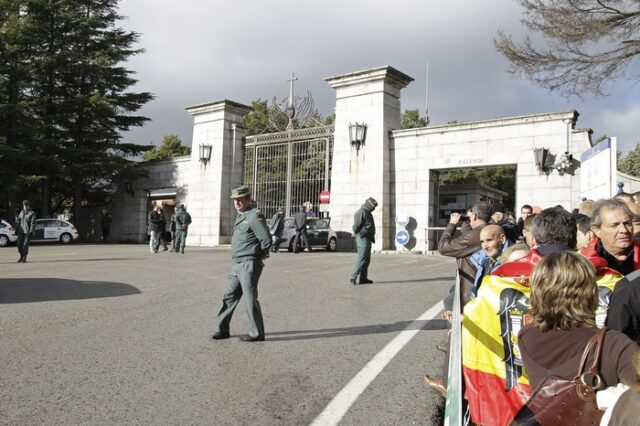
column 453, row 408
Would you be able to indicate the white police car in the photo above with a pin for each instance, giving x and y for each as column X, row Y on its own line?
column 7, row 233
column 54, row 230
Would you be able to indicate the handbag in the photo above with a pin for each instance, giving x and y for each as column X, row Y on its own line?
column 558, row 401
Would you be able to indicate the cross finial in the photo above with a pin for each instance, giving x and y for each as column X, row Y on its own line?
column 291, row 80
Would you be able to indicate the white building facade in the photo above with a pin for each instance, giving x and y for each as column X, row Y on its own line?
column 396, row 167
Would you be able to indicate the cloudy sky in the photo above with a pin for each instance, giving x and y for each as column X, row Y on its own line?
column 208, row 50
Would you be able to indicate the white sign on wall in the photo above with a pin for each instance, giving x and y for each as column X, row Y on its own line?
column 598, row 171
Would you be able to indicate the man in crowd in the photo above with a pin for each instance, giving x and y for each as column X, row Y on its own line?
column 553, row 230
column 183, row 220
column 525, row 212
column 493, row 241
column 585, row 234
column 301, row 240
column 26, row 224
column 499, row 217
column 613, row 247
column 364, row 231
column 465, row 245
column 250, row 244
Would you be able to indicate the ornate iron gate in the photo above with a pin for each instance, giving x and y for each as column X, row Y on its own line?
column 289, row 168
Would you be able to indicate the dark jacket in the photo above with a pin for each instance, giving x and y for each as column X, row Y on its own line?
column 26, row 222
column 462, row 248
column 558, row 352
column 155, row 221
column 363, row 223
column 277, row 225
column 300, row 220
column 183, row 220
column 510, row 231
column 624, row 307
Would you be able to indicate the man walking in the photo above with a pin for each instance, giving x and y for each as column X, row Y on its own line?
column 26, row 224
column 183, row 220
column 249, row 246
column 155, row 228
column 364, row 231
column 301, row 240
column 277, row 226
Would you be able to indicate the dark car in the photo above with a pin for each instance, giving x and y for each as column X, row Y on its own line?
column 319, row 233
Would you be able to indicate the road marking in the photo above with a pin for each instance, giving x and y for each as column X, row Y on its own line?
column 340, row 404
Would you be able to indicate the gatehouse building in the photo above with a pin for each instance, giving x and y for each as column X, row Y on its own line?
column 400, row 168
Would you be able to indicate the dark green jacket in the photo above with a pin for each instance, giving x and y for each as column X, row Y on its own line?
column 251, row 237
column 26, row 222
column 183, row 220
column 277, row 225
column 363, row 224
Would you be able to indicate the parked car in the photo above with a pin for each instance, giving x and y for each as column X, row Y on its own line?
column 319, row 233
column 7, row 233
column 54, row 230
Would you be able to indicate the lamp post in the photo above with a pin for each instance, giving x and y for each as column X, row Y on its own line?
column 357, row 135
column 205, row 153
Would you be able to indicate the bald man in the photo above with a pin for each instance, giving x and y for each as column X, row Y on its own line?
column 492, row 240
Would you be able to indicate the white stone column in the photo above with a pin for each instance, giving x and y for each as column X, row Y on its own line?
column 373, row 97
column 208, row 202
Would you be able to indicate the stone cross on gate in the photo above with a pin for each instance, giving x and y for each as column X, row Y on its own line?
column 291, row 112
column 291, row 80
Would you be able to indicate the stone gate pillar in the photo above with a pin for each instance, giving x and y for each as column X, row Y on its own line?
column 371, row 96
column 218, row 124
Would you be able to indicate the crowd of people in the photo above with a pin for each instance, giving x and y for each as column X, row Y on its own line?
column 535, row 291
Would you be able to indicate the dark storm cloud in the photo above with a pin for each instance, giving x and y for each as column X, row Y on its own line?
column 200, row 51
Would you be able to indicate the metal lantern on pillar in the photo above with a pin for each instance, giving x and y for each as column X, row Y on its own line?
column 357, row 135
column 205, row 153
column 541, row 158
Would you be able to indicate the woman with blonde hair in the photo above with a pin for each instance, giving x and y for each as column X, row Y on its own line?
column 564, row 298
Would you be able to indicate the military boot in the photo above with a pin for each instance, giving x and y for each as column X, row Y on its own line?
column 182, row 249
column 20, row 260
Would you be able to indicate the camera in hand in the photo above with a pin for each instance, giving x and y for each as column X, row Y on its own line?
column 464, row 218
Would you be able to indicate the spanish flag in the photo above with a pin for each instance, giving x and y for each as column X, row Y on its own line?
column 496, row 383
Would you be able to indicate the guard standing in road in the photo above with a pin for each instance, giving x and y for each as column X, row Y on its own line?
column 249, row 246
column 364, row 231
column 277, row 226
column 26, row 224
column 183, row 220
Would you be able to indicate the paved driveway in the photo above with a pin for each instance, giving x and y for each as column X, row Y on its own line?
column 112, row 334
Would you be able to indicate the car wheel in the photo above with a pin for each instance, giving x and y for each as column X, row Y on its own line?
column 66, row 238
column 4, row 240
column 333, row 244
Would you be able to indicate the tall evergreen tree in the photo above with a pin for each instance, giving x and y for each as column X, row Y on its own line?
column 78, row 94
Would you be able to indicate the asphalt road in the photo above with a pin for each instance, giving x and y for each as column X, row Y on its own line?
column 114, row 335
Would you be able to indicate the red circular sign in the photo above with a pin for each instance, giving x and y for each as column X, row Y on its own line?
column 324, row 197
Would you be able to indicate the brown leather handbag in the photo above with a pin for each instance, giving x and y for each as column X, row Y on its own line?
column 558, row 401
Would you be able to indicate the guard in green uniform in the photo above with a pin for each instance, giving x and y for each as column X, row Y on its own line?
column 364, row 230
column 183, row 220
column 26, row 225
column 249, row 246
column 277, row 226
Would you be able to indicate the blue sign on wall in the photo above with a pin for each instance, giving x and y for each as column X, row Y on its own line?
column 402, row 237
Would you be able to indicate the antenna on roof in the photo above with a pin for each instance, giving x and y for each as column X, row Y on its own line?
column 427, row 95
